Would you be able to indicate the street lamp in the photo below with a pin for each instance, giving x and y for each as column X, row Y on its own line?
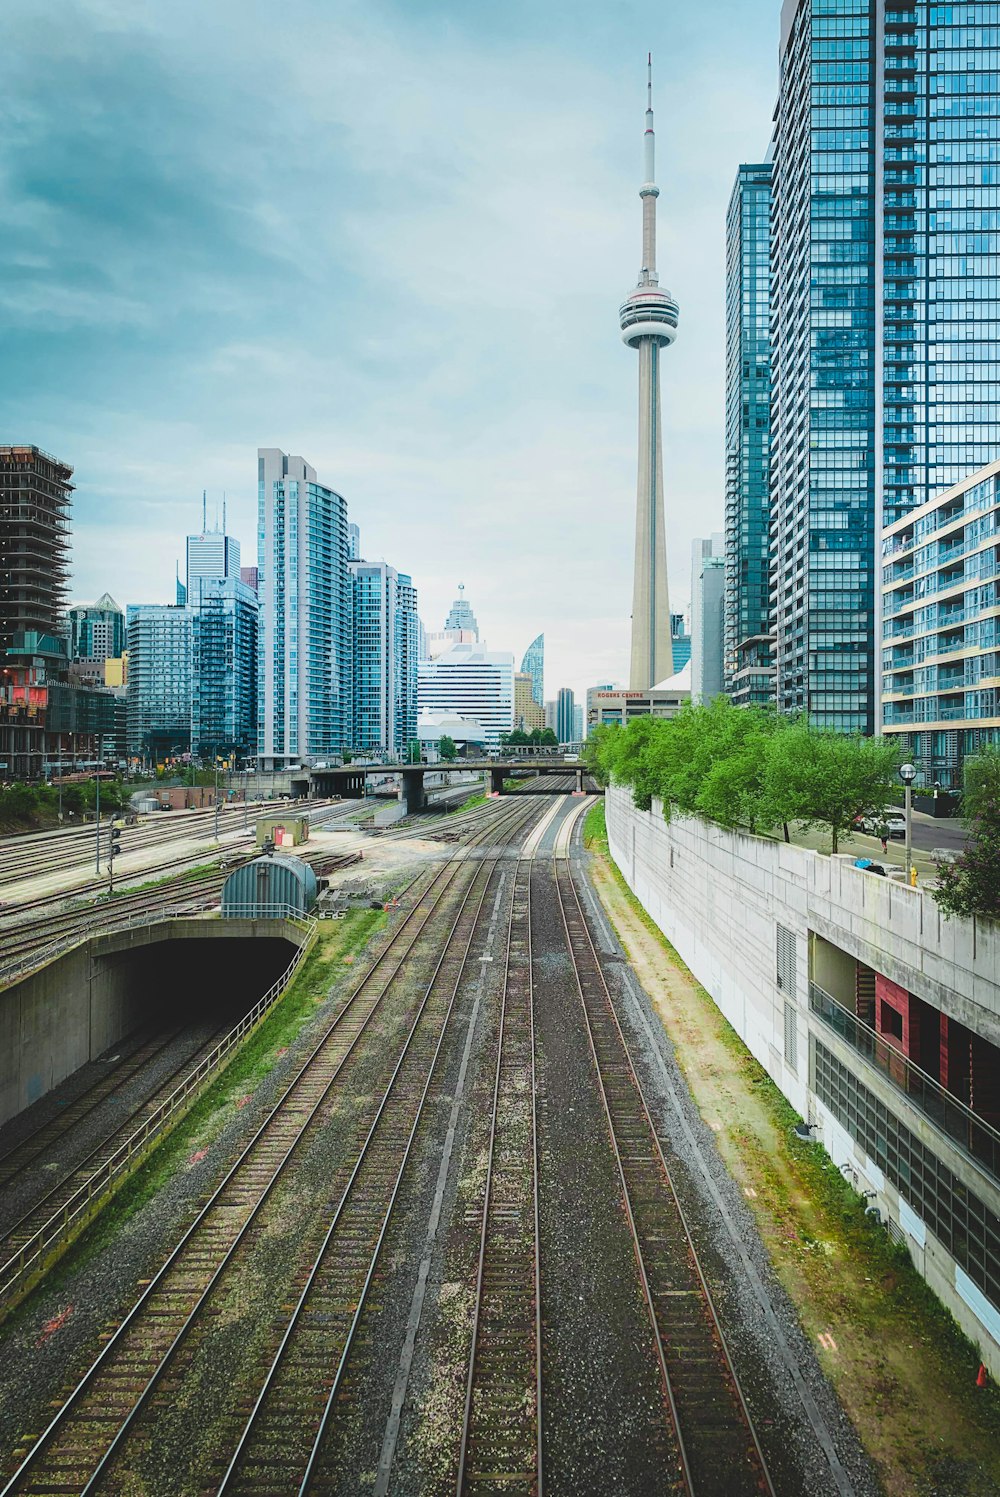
column 908, row 773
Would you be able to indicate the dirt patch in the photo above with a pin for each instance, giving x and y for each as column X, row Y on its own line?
column 901, row 1367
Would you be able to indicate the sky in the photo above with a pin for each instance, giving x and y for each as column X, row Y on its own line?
column 389, row 238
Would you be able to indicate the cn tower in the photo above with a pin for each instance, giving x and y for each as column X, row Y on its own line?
column 648, row 320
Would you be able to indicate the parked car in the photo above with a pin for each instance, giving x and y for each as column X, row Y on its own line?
column 893, row 821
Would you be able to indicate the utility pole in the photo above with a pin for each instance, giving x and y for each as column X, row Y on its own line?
column 97, row 815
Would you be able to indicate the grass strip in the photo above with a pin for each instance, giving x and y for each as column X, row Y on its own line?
column 337, row 946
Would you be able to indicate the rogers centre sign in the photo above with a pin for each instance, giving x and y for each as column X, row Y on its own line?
column 602, row 695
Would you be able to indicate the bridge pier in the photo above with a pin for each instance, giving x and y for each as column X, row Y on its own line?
column 413, row 790
column 579, row 782
column 496, row 781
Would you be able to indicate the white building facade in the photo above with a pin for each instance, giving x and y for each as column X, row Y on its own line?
column 474, row 683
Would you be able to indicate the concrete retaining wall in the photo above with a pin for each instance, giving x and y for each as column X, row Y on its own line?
column 719, row 897
column 69, row 1012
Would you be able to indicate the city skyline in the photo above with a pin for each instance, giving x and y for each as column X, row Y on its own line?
column 172, row 300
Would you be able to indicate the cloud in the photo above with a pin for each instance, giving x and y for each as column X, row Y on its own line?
column 392, row 238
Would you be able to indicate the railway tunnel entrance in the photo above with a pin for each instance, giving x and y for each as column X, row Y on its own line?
column 202, row 974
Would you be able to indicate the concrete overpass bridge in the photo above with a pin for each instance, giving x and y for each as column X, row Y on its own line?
column 348, row 780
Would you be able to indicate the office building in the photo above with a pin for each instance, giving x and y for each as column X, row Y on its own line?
column 211, row 554
column 386, row 644
column 551, row 715
column 304, row 588
column 249, row 578
column 578, row 724
column 708, row 585
column 533, row 663
column 528, row 715
column 886, row 276
column 409, row 648
column 159, row 681
column 565, row 719
column 681, row 641
column 96, row 630
column 472, row 682
column 648, row 320
column 749, row 670
column 224, row 670
column 941, row 628
column 461, row 616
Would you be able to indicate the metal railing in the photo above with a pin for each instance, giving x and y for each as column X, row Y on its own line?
column 965, row 1128
column 21, row 1270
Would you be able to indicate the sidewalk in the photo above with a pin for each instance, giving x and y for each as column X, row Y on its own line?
column 862, row 846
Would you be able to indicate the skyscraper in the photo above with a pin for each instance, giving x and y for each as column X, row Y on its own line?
column 385, row 657
column 533, row 662
column 159, row 680
column 211, row 554
column 224, row 668
column 96, row 630
column 886, row 269
column 648, row 320
column 748, row 668
column 461, row 615
column 470, row 681
column 528, row 715
column 708, row 576
column 565, row 715
column 35, row 498
column 305, row 613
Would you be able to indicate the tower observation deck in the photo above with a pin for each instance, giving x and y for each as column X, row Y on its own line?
column 648, row 319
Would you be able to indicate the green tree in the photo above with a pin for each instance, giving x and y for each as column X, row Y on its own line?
column 732, row 789
column 825, row 779
column 971, row 885
column 447, row 748
column 413, row 751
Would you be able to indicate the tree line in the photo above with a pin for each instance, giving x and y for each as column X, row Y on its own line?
column 753, row 768
column 747, row 767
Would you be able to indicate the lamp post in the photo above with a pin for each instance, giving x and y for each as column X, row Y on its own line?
column 908, row 773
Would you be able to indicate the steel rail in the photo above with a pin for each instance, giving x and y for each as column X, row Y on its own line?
column 21, row 1231
column 313, row 1286
column 494, row 1412
column 728, row 1460
column 196, row 1309
column 451, row 869
column 15, row 1160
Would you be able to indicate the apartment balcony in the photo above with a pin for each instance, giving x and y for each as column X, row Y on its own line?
column 966, row 1129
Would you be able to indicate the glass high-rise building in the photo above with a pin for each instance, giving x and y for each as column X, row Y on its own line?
column 159, row 681
column 886, row 281
column 386, row 652
column 533, row 664
column 748, row 668
column 566, row 715
column 306, row 615
column 224, row 669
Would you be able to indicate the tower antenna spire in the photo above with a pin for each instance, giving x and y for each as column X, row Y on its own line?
column 648, row 320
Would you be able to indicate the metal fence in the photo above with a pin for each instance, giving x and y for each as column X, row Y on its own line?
column 971, row 1133
column 31, row 960
column 21, row 1270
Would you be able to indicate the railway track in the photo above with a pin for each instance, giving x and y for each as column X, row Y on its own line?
column 79, row 1449
column 309, row 1368
column 200, row 892
column 20, row 1157
column 27, row 857
column 718, row 1449
column 501, row 1447
column 16, row 1237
